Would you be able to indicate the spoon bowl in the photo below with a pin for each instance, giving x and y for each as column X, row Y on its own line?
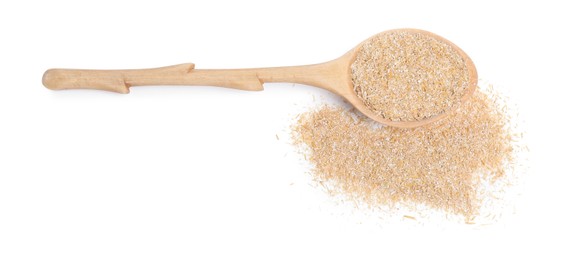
column 350, row 94
column 334, row 76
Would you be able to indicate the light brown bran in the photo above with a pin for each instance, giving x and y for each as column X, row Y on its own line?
column 441, row 165
column 409, row 76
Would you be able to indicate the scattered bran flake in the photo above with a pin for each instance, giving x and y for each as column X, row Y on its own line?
column 440, row 166
column 409, row 76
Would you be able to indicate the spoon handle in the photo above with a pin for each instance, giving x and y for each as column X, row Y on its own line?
column 185, row 74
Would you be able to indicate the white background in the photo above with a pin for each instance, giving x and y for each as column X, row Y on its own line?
column 198, row 172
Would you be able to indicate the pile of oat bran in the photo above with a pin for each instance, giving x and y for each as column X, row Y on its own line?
column 441, row 165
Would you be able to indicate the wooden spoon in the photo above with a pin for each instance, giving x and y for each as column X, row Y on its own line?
column 334, row 76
